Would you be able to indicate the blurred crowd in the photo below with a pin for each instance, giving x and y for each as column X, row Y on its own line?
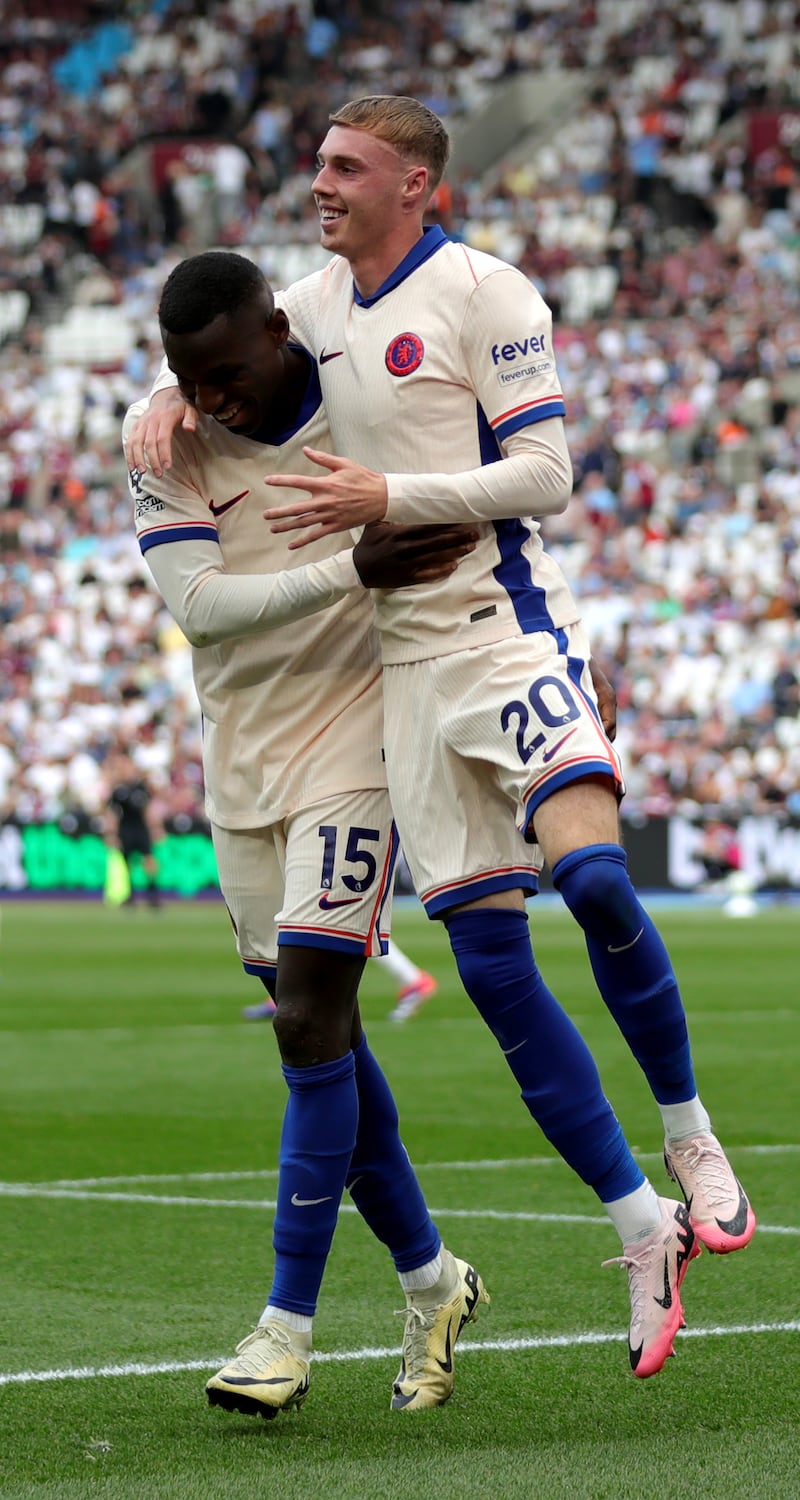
column 660, row 218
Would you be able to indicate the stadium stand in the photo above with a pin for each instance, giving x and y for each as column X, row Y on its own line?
column 640, row 163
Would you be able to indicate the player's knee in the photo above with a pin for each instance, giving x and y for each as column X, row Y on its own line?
column 595, row 884
column 310, row 1032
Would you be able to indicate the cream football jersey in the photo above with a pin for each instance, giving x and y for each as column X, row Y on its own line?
column 291, row 699
column 446, row 369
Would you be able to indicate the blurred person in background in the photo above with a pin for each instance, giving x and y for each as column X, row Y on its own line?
column 130, row 825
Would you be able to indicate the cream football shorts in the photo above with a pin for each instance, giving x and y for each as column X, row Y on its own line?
column 319, row 879
column 475, row 740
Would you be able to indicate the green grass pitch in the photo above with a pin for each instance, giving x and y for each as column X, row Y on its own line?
column 140, row 1119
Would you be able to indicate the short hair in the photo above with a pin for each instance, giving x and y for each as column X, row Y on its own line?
column 409, row 126
column 202, row 287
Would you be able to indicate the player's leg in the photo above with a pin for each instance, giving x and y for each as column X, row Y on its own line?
column 414, row 985
column 561, row 1088
column 533, row 715
column 315, row 979
column 476, row 873
column 316, row 996
column 577, row 826
column 326, row 1063
column 150, row 867
column 127, row 850
column 635, row 977
column 442, row 1293
column 137, row 847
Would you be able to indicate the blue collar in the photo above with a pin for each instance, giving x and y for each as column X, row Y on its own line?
column 431, row 240
column 312, row 399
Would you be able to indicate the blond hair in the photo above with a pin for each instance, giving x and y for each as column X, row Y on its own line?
column 413, row 129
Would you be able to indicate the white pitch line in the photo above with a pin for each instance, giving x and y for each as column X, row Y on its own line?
column 485, row 1164
column 347, row 1356
column 170, row 1200
column 77, row 1182
column 173, row 1200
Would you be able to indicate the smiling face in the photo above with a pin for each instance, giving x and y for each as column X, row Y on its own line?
column 370, row 199
column 233, row 369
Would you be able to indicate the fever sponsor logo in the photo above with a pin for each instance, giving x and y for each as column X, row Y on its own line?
column 535, row 343
column 524, row 372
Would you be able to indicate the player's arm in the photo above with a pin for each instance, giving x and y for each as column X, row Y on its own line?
column 533, row 478
column 179, row 541
column 506, row 352
column 211, row 605
column 606, row 698
column 147, row 439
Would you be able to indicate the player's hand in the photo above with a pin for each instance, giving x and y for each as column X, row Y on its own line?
column 149, row 442
column 347, row 496
column 606, row 698
column 391, row 557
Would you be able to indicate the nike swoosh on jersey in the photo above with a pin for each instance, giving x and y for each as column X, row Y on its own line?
column 308, row 1202
column 219, row 510
column 334, row 354
column 327, row 905
column 554, row 749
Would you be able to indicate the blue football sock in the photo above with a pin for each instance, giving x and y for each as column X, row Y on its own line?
column 546, row 1053
column 381, row 1180
column 319, row 1132
column 631, row 966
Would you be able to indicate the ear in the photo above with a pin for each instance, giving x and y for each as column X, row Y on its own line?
column 416, row 191
column 278, row 326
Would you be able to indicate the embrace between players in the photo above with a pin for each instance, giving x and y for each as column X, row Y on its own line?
column 426, row 676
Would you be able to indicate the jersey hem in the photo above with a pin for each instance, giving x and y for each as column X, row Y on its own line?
column 310, row 937
column 240, row 822
column 401, row 653
column 262, row 968
column 440, row 900
column 565, row 776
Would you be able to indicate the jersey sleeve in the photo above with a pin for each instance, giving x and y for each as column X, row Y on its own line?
column 301, row 303
column 506, row 350
column 533, row 477
column 165, row 378
column 506, row 343
column 179, row 541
